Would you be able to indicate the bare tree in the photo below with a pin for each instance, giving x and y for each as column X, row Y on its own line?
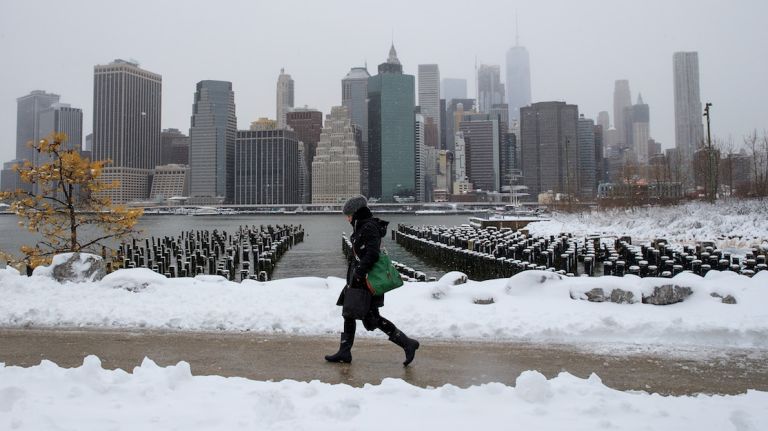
column 757, row 146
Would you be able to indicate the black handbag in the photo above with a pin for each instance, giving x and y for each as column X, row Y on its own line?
column 357, row 302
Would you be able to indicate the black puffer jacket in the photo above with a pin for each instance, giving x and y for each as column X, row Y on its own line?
column 366, row 243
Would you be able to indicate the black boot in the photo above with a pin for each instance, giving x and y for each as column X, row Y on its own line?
column 345, row 349
column 408, row 344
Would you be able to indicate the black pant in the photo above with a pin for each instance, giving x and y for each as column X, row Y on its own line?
column 372, row 320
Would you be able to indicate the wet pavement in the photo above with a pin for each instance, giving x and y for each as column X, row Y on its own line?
column 438, row 362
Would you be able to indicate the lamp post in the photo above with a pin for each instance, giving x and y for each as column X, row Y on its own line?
column 711, row 192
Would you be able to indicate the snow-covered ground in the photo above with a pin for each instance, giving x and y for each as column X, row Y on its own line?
column 163, row 398
column 533, row 306
column 740, row 223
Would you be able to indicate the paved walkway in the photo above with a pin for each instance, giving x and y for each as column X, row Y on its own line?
column 278, row 357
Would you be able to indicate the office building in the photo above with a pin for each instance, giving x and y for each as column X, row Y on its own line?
column 174, row 147
column 587, row 159
column 392, row 158
column 126, row 126
column 354, row 95
column 483, row 136
column 453, row 88
column 284, row 97
column 28, row 109
column 429, row 100
column 266, row 166
column 518, row 81
column 336, row 166
column 622, row 98
column 490, row 90
column 169, row 181
column 550, row 152
column 212, row 136
column 689, row 128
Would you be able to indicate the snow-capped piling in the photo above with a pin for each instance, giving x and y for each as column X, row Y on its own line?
column 490, row 253
column 250, row 253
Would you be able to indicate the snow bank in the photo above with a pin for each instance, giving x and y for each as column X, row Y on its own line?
column 152, row 397
column 531, row 306
column 736, row 223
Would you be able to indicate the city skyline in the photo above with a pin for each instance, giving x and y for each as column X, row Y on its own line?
column 729, row 66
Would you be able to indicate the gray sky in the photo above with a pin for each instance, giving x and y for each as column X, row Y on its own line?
column 577, row 48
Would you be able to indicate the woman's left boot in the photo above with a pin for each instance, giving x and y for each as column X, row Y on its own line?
column 345, row 349
column 409, row 345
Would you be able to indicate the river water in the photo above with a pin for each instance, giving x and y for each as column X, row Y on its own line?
column 319, row 255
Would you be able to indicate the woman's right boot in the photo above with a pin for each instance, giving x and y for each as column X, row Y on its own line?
column 345, row 349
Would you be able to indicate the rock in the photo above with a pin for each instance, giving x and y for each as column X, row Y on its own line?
column 622, row 296
column 480, row 301
column 74, row 267
column 667, row 294
column 453, row 278
column 729, row 299
column 595, row 295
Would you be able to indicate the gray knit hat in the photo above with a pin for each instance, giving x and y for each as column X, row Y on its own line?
column 353, row 204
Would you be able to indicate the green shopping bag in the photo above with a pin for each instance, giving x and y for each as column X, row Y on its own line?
column 383, row 277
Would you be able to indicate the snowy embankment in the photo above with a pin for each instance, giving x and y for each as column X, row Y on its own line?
column 532, row 306
column 92, row 398
column 738, row 223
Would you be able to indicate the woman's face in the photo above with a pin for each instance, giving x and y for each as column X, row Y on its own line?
column 349, row 218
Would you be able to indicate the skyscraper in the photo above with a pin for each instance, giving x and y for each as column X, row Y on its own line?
column 587, row 166
column 174, row 147
column 391, row 104
column 267, row 162
column 622, row 98
column 604, row 120
column 336, row 166
column 689, row 129
column 61, row 117
column 354, row 96
column 453, row 88
column 483, row 144
column 284, row 97
column 308, row 124
column 518, row 81
column 640, row 130
column 212, row 136
column 550, row 153
column 126, row 126
column 429, row 96
column 126, row 115
column 490, row 90
column 454, row 112
column 28, row 109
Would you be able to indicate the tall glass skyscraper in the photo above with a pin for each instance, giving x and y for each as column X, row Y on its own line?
column 28, row 112
column 354, row 96
column 689, row 128
column 212, row 136
column 518, row 81
column 392, row 158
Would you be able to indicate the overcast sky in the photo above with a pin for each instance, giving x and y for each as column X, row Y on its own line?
column 577, row 49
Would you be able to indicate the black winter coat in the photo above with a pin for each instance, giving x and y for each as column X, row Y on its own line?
column 366, row 244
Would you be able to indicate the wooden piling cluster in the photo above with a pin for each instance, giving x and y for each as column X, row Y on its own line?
column 659, row 259
column 492, row 253
column 251, row 252
column 410, row 273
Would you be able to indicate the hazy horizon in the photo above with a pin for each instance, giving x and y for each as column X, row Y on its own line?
column 577, row 51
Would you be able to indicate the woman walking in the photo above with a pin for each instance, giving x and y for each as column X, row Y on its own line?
column 366, row 243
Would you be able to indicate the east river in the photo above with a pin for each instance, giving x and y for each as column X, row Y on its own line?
column 319, row 255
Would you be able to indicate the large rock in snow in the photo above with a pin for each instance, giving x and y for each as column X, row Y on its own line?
column 667, row 294
column 74, row 267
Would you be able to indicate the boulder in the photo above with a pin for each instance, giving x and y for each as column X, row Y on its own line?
column 622, row 296
column 728, row 299
column 595, row 295
column 74, row 267
column 667, row 294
